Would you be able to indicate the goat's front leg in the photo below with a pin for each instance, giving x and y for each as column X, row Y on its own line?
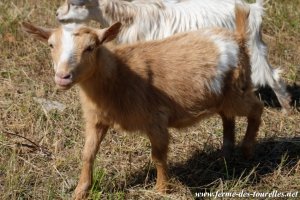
column 94, row 135
column 159, row 139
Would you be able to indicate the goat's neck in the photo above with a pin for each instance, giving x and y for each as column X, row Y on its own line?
column 100, row 85
column 116, row 11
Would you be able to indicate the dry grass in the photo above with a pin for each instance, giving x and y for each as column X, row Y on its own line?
column 47, row 165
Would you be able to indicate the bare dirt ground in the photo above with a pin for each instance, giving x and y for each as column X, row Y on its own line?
column 40, row 150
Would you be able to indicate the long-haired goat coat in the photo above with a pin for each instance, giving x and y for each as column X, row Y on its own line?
column 156, row 19
column 154, row 85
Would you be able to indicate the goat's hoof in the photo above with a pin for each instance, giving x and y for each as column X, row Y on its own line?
column 81, row 195
column 227, row 152
column 81, row 192
column 286, row 111
column 248, row 152
column 162, row 188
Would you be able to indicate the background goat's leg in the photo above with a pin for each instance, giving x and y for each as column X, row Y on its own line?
column 94, row 135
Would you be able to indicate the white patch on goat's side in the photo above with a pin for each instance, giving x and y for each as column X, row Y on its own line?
column 228, row 59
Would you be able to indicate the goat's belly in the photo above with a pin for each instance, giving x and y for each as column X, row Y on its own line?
column 191, row 119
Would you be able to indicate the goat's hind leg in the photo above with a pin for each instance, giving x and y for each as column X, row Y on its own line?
column 228, row 135
column 283, row 96
column 264, row 74
column 254, row 109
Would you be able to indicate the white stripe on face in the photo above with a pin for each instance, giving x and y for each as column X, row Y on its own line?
column 67, row 47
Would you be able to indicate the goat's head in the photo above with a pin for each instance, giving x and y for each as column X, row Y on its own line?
column 73, row 49
column 78, row 11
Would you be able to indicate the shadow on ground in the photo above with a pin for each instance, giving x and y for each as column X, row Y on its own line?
column 267, row 95
column 204, row 168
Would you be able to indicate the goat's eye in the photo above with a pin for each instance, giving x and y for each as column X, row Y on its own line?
column 89, row 49
column 51, row 46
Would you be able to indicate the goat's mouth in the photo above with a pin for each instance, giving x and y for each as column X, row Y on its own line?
column 65, row 21
column 63, row 83
column 61, row 20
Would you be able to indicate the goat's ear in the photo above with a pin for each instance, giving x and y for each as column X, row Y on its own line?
column 110, row 33
column 40, row 33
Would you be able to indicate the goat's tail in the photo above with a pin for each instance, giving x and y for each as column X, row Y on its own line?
column 242, row 80
column 241, row 22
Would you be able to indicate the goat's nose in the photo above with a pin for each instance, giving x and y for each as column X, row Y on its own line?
column 63, row 79
column 64, row 75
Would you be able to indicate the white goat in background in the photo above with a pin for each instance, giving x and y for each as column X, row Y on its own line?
column 157, row 19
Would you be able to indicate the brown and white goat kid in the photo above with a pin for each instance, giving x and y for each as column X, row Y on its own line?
column 154, row 85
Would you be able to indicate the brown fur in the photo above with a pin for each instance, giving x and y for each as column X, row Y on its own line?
column 155, row 85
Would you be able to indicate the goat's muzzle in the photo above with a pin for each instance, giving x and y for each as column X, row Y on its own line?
column 64, row 81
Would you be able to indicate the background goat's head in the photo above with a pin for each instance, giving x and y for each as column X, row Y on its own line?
column 78, row 11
